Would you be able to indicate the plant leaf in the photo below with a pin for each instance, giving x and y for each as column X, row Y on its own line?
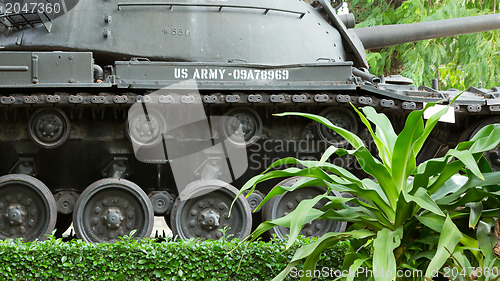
column 448, row 240
column 466, row 157
column 424, row 201
column 383, row 256
column 352, row 138
column 476, row 209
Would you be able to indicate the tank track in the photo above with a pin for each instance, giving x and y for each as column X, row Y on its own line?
column 236, row 98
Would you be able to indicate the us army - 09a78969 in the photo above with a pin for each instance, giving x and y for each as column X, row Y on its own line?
column 236, row 74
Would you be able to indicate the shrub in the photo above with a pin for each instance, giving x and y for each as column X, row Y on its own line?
column 150, row 260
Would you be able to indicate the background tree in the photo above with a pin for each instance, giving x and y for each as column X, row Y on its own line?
column 459, row 62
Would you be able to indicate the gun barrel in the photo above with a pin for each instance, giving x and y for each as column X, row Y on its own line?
column 388, row 35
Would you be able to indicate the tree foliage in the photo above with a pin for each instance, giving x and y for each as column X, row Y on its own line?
column 459, row 61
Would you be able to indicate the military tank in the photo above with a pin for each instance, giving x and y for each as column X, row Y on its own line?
column 99, row 128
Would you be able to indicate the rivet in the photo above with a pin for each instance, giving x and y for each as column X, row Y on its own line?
column 31, row 223
column 198, row 233
column 318, row 226
column 100, row 230
column 193, row 212
column 130, row 215
column 22, row 230
column 8, row 198
column 105, row 202
column 95, row 221
column 29, row 202
column 211, row 202
column 111, row 236
column 309, row 232
column 192, row 223
column 200, row 204
column 289, row 205
column 221, row 206
column 125, row 205
column 129, row 226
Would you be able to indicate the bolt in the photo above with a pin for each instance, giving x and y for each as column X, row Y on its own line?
column 309, row 232
column 201, row 204
column 193, row 212
column 125, row 205
column 221, row 206
column 29, row 202
column 160, row 203
column 318, row 226
column 31, row 223
column 100, row 230
column 97, row 210
column 105, row 202
column 192, row 223
column 22, row 230
column 65, row 204
column 289, row 205
column 95, row 221
column 211, row 202
column 130, row 215
column 116, row 200
column 8, row 198
column 129, row 226
column 198, row 233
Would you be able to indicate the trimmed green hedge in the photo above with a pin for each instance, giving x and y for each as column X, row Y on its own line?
column 151, row 260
